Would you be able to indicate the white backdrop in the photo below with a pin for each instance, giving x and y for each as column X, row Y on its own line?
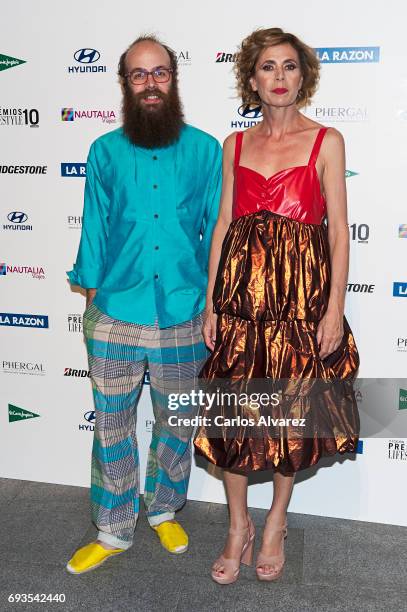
column 365, row 100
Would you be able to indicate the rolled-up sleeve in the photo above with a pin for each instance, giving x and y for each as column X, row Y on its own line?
column 89, row 267
column 212, row 201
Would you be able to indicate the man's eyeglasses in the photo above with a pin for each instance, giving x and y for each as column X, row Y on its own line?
column 139, row 77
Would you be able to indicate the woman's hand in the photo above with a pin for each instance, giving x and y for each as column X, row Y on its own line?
column 330, row 332
column 209, row 328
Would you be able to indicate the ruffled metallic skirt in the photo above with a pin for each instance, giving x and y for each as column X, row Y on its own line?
column 271, row 291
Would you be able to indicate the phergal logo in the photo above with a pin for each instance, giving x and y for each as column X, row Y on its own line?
column 348, row 55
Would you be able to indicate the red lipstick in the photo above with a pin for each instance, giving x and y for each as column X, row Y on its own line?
column 280, row 91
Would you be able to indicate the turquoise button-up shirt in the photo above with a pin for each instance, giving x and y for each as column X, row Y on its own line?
column 147, row 225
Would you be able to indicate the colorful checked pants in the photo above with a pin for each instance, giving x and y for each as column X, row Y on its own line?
column 119, row 352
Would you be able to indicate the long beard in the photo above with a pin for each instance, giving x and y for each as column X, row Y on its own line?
column 155, row 126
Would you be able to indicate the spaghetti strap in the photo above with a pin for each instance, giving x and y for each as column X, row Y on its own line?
column 317, row 146
column 238, row 147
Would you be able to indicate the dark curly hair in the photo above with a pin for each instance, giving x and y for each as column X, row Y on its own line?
column 249, row 53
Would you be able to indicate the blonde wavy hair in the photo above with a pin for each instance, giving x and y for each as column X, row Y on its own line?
column 249, row 53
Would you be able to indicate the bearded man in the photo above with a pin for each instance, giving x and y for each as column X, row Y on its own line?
column 151, row 202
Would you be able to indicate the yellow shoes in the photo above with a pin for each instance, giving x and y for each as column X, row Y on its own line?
column 172, row 537
column 89, row 557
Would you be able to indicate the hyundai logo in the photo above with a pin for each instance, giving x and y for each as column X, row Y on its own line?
column 17, row 217
column 246, row 110
column 86, row 56
column 90, row 416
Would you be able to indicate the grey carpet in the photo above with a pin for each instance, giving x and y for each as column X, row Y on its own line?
column 332, row 565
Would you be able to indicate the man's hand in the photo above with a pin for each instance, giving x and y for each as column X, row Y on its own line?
column 209, row 328
column 90, row 294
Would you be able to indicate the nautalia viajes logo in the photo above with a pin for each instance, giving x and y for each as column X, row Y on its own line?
column 403, row 230
column 15, row 413
column 37, row 272
column 70, row 114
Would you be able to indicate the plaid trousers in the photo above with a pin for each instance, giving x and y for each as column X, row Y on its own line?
column 119, row 352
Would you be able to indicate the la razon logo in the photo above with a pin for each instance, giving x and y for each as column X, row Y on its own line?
column 15, row 413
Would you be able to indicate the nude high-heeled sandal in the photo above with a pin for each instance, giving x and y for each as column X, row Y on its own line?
column 231, row 567
column 275, row 561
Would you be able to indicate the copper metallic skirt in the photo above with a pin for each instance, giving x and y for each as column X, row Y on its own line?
column 271, row 291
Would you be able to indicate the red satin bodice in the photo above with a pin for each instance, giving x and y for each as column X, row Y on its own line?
column 293, row 192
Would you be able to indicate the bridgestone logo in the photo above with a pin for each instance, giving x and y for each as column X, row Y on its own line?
column 221, row 57
column 360, row 288
column 23, row 169
column 77, row 373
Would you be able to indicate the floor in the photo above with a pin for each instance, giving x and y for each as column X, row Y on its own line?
column 332, row 565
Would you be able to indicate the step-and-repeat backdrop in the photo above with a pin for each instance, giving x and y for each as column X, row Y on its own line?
column 59, row 91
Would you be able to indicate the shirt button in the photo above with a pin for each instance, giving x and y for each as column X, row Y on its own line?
column 155, row 276
column 155, row 157
column 156, row 248
column 155, row 186
column 155, row 216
